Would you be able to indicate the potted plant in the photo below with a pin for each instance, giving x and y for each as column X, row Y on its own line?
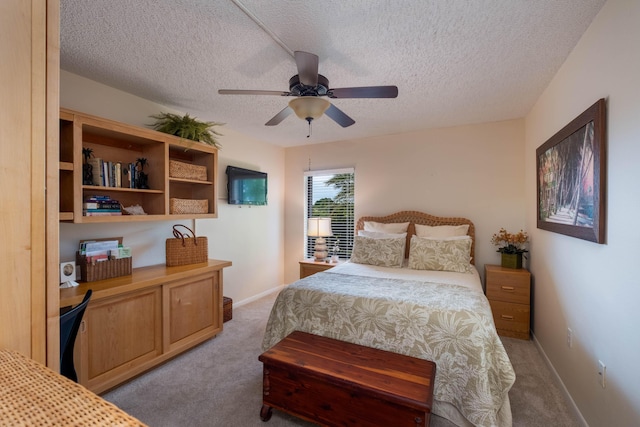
column 511, row 247
column 187, row 127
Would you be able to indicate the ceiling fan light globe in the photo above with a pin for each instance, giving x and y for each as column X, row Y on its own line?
column 309, row 107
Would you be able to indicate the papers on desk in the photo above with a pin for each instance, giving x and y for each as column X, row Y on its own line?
column 103, row 250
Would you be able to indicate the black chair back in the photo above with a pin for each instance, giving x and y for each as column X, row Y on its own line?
column 69, row 325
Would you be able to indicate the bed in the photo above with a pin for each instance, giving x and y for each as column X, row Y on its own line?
column 417, row 294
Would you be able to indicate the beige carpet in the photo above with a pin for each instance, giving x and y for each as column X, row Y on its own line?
column 219, row 383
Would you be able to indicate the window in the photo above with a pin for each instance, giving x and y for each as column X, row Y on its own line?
column 330, row 193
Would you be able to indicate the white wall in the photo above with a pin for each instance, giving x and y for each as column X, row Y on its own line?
column 473, row 171
column 250, row 238
column 594, row 289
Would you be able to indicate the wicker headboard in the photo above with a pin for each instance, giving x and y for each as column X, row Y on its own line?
column 415, row 217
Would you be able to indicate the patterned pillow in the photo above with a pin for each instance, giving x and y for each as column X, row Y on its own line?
column 380, row 252
column 451, row 254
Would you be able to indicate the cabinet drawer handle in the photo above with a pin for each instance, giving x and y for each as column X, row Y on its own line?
column 506, row 317
column 508, row 288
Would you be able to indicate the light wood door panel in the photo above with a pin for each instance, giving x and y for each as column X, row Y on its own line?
column 192, row 307
column 122, row 332
column 29, row 65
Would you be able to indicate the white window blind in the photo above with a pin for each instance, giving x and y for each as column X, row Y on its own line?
column 330, row 193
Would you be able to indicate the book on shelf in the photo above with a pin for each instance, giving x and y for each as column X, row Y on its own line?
column 101, row 203
column 113, row 174
column 126, row 175
column 117, row 174
column 101, row 209
column 101, row 206
column 96, row 170
column 101, row 213
column 132, row 175
column 105, row 174
column 99, row 198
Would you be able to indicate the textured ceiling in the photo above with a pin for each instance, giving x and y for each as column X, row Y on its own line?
column 455, row 62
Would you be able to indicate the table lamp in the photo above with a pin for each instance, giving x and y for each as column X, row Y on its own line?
column 319, row 228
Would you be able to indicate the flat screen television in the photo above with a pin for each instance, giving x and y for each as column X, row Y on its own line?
column 246, row 187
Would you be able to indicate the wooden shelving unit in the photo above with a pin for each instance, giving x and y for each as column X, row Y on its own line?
column 122, row 143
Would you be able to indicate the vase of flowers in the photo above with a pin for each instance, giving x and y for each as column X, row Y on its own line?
column 511, row 246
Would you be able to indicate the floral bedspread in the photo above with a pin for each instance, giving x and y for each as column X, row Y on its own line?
column 449, row 324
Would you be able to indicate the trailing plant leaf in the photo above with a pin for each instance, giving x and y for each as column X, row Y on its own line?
column 187, row 127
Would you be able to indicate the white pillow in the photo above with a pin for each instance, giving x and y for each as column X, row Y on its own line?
column 441, row 230
column 449, row 254
column 393, row 227
column 381, row 252
column 381, row 235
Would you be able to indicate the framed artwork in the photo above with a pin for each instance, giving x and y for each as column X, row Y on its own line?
column 571, row 177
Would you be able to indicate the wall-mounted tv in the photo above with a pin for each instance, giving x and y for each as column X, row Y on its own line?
column 246, row 187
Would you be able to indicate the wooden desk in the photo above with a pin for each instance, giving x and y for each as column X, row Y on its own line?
column 33, row 395
column 136, row 322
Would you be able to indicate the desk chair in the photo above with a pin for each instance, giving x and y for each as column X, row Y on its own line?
column 69, row 325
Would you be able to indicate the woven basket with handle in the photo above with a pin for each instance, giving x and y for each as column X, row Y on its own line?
column 186, row 248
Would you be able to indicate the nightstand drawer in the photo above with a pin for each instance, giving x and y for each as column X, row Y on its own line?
column 508, row 291
column 512, row 320
column 309, row 267
column 508, row 286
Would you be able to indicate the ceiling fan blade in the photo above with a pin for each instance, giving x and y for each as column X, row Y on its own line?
column 279, row 117
column 252, row 92
column 307, row 67
column 338, row 116
column 364, row 92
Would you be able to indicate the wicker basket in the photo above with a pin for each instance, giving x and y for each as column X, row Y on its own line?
column 188, row 206
column 227, row 309
column 104, row 269
column 187, row 171
column 185, row 248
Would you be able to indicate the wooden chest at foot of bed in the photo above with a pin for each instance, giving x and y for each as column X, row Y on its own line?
column 335, row 383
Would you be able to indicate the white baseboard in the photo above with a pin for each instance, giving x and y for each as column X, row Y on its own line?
column 572, row 404
column 258, row 296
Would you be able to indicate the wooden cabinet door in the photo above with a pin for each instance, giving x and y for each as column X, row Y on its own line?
column 28, row 91
column 122, row 336
column 192, row 311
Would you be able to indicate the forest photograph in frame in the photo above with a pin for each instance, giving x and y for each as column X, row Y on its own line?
column 571, row 177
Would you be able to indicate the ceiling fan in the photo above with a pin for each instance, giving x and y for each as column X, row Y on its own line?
column 309, row 87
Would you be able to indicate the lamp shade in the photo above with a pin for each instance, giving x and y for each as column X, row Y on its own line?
column 319, row 227
column 307, row 107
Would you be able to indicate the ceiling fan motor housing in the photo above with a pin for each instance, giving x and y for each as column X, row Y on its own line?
column 298, row 89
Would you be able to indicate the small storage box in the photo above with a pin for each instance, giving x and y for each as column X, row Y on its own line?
column 188, row 206
column 104, row 269
column 187, row 171
column 227, row 309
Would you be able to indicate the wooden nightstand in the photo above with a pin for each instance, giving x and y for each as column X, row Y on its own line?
column 509, row 293
column 309, row 267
